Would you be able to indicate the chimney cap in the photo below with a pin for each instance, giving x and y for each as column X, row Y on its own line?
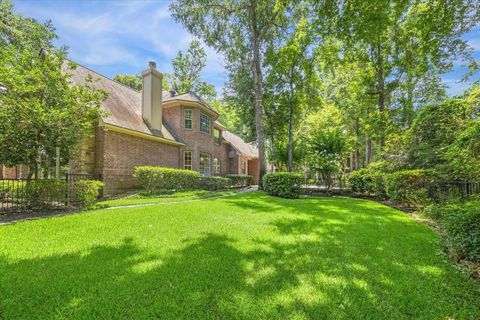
column 152, row 64
column 172, row 93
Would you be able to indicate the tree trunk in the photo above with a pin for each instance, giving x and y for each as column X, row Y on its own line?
column 356, row 165
column 290, row 139
column 257, row 70
column 368, row 151
column 381, row 95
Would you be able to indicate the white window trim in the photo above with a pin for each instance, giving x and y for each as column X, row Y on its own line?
column 191, row 160
column 209, row 166
column 200, row 123
column 185, row 118
column 217, row 166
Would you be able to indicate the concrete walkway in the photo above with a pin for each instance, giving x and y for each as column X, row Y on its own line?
column 18, row 217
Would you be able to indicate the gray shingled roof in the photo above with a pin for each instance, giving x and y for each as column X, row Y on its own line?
column 244, row 148
column 124, row 105
column 189, row 96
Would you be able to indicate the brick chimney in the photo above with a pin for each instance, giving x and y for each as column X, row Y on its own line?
column 152, row 97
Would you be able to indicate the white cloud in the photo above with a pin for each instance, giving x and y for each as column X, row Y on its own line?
column 120, row 36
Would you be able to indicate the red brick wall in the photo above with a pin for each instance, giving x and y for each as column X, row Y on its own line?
column 253, row 170
column 118, row 154
column 196, row 141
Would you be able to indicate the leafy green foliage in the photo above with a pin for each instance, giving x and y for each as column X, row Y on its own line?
column 45, row 194
column 187, row 68
column 86, row 192
column 39, row 107
column 214, row 183
column 368, row 180
column 158, row 179
column 461, row 222
column 283, row 184
column 240, row 180
column 410, row 186
column 133, row 81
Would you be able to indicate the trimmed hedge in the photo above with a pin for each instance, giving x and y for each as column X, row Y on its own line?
column 461, row 223
column 283, row 184
column 240, row 180
column 44, row 194
column 214, row 183
column 366, row 180
column 410, row 186
column 155, row 179
column 86, row 192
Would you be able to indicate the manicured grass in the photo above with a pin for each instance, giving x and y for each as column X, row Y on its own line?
column 139, row 198
column 249, row 256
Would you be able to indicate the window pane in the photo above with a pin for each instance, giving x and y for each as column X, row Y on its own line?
column 187, row 160
column 205, row 123
column 205, row 163
column 216, row 166
column 188, row 114
column 216, row 136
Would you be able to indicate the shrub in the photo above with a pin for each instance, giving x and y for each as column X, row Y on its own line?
column 44, row 194
column 12, row 190
column 214, row 183
column 240, row 180
column 283, row 184
column 410, row 186
column 461, row 223
column 86, row 192
column 367, row 180
column 154, row 179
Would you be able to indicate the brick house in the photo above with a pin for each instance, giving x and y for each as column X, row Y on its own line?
column 158, row 128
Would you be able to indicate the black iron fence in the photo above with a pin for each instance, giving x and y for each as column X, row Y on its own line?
column 37, row 194
column 463, row 190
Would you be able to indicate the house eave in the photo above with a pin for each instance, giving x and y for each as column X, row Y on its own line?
column 138, row 134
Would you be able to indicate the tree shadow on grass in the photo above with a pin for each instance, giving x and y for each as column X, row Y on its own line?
column 316, row 263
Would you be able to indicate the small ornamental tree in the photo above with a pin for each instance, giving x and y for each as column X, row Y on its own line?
column 40, row 109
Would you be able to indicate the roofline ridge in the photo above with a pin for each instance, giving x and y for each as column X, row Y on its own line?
column 102, row 75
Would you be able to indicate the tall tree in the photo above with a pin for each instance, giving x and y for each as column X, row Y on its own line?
column 236, row 28
column 187, row 68
column 40, row 109
column 406, row 40
column 133, row 81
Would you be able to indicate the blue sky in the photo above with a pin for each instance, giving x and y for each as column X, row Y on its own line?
column 114, row 37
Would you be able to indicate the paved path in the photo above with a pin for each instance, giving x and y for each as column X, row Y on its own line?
column 181, row 201
column 17, row 217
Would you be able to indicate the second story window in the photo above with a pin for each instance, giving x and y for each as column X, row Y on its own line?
column 187, row 160
column 188, row 119
column 205, row 123
column 217, row 136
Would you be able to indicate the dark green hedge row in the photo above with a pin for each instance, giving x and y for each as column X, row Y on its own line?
column 46, row 194
column 406, row 186
column 283, row 184
column 461, row 223
column 240, row 180
column 158, row 179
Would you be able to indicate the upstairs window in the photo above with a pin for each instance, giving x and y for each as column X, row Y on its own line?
column 188, row 119
column 216, row 166
column 187, row 160
column 205, row 163
column 217, row 136
column 205, row 123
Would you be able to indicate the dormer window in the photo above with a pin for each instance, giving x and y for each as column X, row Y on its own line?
column 205, row 123
column 188, row 119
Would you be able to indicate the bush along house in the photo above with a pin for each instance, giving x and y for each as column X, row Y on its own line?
column 157, row 128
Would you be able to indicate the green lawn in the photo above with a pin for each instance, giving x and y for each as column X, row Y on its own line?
column 138, row 198
column 249, row 256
